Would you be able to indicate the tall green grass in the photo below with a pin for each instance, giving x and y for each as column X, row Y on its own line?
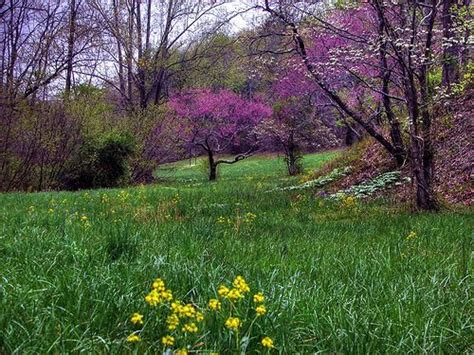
column 75, row 266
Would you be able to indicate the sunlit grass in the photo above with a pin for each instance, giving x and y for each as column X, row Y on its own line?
column 74, row 267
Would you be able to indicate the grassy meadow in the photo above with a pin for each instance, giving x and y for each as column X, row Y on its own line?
column 339, row 278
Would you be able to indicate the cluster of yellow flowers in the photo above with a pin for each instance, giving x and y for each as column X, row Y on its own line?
column 236, row 293
column 86, row 224
column 175, row 200
column 137, row 318
column 250, row 217
column 104, row 198
column 158, row 294
column 215, row 304
column 247, row 218
column 412, row 235
column 182, row 319
column 348, row 202
column 222, row 220
column 233, row 323
column 123, row 196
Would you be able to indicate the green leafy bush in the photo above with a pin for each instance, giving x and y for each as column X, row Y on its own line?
column 467, row 80
column 101, row 162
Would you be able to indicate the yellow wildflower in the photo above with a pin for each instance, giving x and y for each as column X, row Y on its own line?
column 199, row 316
column 411, row 235
column 84, row 218
column 159, row 284
column 133, row 338
column 241, row 285
column 167, row 295
column 137, row 318
column 234, row 295
column 268, row 343
column 172, row 320
column 223, row 291
column 214, row 304
column 258, row 297
column 190, row 328
column 249, row 217
column 261, row 310
column 185, row 311
column 157, row 296
column 182, row 351
column 168, row 340
column 349, row 202
column 153, row 298
column 176, row 306
column 233, row 323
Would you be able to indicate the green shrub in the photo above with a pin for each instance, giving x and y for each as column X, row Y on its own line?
column 467, row 80
column 101, row 162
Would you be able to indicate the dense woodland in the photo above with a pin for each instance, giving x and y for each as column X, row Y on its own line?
column 99, row 93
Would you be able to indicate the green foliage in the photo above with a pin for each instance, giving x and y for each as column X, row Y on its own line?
column 434, row 80
column 112, row 155
column 368, row 188
column 346, row 4
column 337, row 279
column 101, row 162
column 89, row 107
column 467, row 80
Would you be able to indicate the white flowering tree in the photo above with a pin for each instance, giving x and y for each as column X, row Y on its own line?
column 373, row 61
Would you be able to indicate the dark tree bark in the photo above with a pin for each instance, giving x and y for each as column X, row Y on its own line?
column 120, row 63
column 385, row 73
column 212, row 166
column 421, row 150
column 70, row 46
column 451, row 53
column 292, row 157
column 129, row 52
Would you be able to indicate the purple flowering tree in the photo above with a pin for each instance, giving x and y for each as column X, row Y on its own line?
column 216, row 122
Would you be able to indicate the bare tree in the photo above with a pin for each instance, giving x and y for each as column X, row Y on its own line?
column 73, row 8
column 152, row 35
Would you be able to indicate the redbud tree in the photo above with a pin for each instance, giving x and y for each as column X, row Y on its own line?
column 217, row 122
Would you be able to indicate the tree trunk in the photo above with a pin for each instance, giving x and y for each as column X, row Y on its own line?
column 129, row 52
column 399, row 152
column 70, row 46
column 425, row 199
column 450, row 74
column 119, row 50
column 142, row 59
column 212, row 166
column 421, row 163
column 291, row 160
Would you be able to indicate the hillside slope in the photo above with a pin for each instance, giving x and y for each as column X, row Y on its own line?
column 453, row 131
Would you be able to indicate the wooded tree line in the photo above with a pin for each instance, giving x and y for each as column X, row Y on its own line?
column 82, row 80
